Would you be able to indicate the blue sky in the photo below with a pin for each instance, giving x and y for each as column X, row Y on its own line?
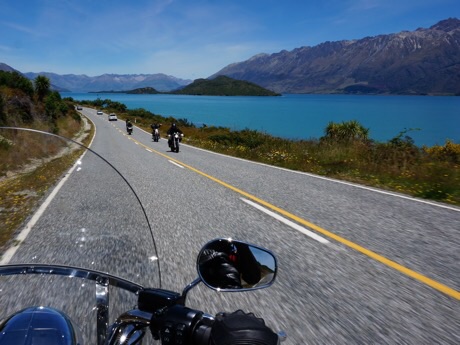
column 189, row 39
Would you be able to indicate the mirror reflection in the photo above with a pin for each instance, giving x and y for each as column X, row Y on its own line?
column 226, row 264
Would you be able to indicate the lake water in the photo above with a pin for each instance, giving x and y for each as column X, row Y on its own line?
column 306, row 116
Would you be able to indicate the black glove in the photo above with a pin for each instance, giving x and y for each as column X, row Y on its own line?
column 242, row 329
column 218, row 271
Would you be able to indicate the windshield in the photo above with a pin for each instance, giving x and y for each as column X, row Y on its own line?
column 62, row 204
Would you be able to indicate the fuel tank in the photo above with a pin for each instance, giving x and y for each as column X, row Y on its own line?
column 38, row 325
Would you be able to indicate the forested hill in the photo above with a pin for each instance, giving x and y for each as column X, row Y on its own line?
column 224, row 86
column 139, row 91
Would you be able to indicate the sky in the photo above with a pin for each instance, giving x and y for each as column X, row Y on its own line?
column 190, row 39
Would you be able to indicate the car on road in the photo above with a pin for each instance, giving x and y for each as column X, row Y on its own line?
column 79, row 107
column 112, row 117
column 99, row 112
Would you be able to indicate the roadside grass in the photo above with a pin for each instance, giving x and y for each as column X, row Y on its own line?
column 27, row 171
column 344, row 152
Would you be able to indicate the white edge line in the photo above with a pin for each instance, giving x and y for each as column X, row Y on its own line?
column 180, row 166
column 24, row 232
column 287, row 222
column 375, row 190
column 452, row 208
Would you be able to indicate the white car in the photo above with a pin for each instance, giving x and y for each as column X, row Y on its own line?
column 99, row 112
column 112, row 117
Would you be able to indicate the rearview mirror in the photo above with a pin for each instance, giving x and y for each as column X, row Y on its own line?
column 229, row 265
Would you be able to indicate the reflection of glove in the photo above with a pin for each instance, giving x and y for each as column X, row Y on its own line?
column 218, row 270
column 208, row 256
column 241, row 328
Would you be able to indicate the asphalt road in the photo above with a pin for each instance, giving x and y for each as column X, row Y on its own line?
column 356, row 265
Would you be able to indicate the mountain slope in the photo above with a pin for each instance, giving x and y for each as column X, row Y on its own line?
column 6, row 68
column 424, row 61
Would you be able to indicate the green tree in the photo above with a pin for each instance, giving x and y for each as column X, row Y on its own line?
column 15, row 80
column 54, row 106
column 42, row 86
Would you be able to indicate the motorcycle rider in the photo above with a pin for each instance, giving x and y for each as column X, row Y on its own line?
column 129, row 125
column 173, row 129
column 155, row 126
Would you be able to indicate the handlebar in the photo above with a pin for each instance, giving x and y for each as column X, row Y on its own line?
column 178, row 324
column 181, row 325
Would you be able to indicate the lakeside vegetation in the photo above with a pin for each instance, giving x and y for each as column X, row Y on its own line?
column 27, row 171
column 345, row 152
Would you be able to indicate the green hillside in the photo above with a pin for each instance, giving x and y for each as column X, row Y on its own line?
column 224, row 86
column 32, row 104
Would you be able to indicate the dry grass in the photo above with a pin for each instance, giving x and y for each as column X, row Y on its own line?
column 30, row 167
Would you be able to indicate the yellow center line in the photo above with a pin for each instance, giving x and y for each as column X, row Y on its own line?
column 420, row 277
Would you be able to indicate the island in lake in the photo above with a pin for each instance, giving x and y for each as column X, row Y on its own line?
column 219, row 86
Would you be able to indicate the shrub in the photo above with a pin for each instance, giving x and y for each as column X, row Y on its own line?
column 345, row 132
column 449, row 152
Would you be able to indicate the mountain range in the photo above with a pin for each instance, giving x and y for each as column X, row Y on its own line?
column 113, row 82
column 424, row 61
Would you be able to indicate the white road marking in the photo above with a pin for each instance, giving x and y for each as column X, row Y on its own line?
column 23, row 234
column 351, row 184
column 148, row 150
column 180, row 166
column 287, row 222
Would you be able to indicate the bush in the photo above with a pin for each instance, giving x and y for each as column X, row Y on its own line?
column 15, row 80
column 345, row 132
column 449, row 152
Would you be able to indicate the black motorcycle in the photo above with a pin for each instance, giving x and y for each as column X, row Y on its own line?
column 174, row 140
column 61, row 278
column 156, row 135
column 129, row 129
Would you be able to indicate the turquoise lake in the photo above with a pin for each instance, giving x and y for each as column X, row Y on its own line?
column 306, row 116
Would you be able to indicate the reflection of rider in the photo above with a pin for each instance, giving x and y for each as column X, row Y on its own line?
column 218, row 271
column 224, row 264
column 246, row 263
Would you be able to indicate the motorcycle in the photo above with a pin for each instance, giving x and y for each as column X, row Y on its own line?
column 129, row 129
column 174, row 140
column 85, row 273
column 156, row 135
